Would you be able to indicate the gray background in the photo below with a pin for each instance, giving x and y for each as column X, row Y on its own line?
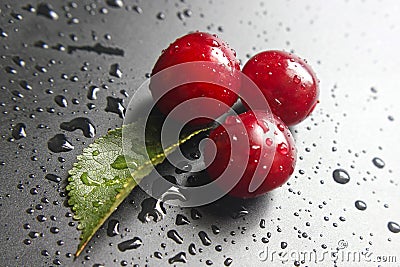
column 352, row 46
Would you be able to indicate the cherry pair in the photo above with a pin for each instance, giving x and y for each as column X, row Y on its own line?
column 287, row 83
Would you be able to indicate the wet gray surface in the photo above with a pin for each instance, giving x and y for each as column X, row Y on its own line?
column 56, row 70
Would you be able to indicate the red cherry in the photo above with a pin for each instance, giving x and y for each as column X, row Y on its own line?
column 250, row 143
column 223, row 69
column 287, row 82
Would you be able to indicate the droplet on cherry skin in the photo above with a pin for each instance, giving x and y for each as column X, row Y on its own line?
column 269, row 141
column 296, row 79
column 283, row 148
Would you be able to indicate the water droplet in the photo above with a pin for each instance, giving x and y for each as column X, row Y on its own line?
column 138, row 9
column 378, row 162
column 296, row 79
column 204, row 238
column 115, row 3
column 41, row 44
column 53, row 178
column 133, row 243
column 151, row 208
column 394, row 227
column 47, row 11
column 86, row 180
column 188, row 12
column 124, row 93
column 61, row 101
column 81, row 123
column 18, row 131
column 19, row 61
column 192, row 249
column 161, row 16
column 262, row 223
column 268, row 141
column 34, row 234
column 73, row 21
column 180, row 15
column 41, row 218
column 113, row 228
column 11, row 70
column 174, row 235
column 97, row 203
column 92, row 92
column 283, row 245
column 54, row 230
column 115, row 70
column 115, row 105
column 228, row 262
column 180, row 257
column 25, row 85
column 281, row 127
column 195, row 214
column 283, row 148
column 181, row 220
column 360, row 205
column 3, row 33
column 215, row 229
column 98, row 48
column 341, row 176
column 212, row 42
column 59, row 143
column 158, row 255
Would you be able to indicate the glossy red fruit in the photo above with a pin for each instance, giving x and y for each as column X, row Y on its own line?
column 287, row 82
column 197, row 47
column 283, row 162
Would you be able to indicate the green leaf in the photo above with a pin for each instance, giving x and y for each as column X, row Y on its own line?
column 101, row 178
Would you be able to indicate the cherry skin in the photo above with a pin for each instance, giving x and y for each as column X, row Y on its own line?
column 196, row 47
column 288, row 83
column 249, row 142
